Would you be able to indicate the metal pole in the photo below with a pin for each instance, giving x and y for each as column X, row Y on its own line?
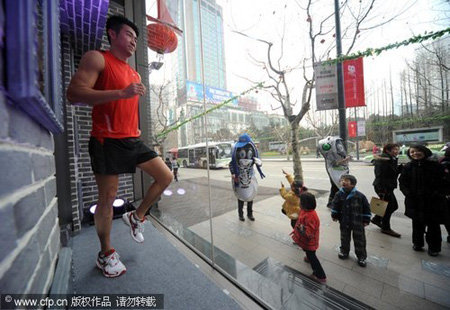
column 205, row 124
column 340, row 80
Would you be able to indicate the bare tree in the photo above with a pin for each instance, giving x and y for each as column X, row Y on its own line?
column 279, row 88
column 440, row 64
column 280, row 91
column 320, row 26
column 160, row 114
column 322, row 128
column 282, row 133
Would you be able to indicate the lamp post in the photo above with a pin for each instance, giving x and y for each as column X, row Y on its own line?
column 340, row 80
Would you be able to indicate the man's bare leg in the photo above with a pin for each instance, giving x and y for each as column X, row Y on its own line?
column 162, row 175
column 107, row 191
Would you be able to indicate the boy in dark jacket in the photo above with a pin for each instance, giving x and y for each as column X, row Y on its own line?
column 352, row 210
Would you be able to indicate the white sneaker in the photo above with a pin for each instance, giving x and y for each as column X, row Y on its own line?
column 111, row 265
column 136, row 226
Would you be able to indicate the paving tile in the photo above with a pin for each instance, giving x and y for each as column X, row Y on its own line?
column 439, row 295
column 396, row 277
column 369, row 299
column 404, row 300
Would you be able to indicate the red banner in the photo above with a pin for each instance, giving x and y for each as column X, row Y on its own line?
column 167, row 14
column 352, row 129
column 354, row 83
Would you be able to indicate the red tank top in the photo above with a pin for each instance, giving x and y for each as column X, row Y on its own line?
column 119, row 118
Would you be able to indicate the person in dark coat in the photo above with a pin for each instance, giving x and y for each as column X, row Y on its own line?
column 386, row 175
column 445, row 162
column 421, row 181
column 168, row 163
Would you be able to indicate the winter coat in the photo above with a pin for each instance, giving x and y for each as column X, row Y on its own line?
column 291, row 205
column 445, row 163
column 351, row 209
column 174, row 164
column 306, row 231
column 422, row 181
column 168, row 164
column 386, row 173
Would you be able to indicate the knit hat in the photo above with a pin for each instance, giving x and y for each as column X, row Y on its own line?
column 349, row 177
column 243, row 140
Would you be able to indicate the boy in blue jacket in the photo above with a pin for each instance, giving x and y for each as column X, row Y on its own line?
column 352, row 210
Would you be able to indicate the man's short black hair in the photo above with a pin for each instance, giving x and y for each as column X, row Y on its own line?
column 116, row 22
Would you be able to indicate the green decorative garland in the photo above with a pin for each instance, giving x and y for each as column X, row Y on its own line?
column 377, row 51
column 216, row 107
column 368, row 52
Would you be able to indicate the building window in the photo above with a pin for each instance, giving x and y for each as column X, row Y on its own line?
column 33, row 60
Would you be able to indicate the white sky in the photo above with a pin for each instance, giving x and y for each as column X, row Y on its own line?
column 269, row 19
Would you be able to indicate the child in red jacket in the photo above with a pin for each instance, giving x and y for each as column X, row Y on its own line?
column 306, row 234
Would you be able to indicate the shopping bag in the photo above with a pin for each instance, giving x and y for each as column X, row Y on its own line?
column 378, row 206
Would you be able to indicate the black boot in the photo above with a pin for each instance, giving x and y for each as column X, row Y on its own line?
column 377, row 220
column 241, row 210
column 250, row 211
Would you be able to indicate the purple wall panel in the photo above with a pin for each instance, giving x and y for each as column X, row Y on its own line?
column 84, row 22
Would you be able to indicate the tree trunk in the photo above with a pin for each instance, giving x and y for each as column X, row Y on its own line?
column 286, row 147
column 441, row 73
column 298, row 170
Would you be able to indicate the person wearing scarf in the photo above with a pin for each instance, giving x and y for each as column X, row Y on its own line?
column 422, row 181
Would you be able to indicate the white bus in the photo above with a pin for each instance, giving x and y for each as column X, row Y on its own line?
column 277, row 145
column 195, row 155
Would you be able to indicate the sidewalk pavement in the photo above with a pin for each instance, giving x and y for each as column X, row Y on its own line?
column 155, row 269
column 306, row 159
column 396, row 277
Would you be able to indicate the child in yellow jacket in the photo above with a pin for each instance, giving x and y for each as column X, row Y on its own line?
column 291, row 205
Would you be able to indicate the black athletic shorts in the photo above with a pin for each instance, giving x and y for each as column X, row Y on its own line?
column 117, row 156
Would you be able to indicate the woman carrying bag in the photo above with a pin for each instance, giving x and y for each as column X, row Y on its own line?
column 386, row 175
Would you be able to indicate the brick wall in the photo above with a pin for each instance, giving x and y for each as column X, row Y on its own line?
column 29, row 226
column 78, row 118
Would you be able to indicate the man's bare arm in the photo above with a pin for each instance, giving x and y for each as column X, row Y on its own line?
column 81, row 87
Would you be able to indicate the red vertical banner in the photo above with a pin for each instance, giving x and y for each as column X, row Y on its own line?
column 352, row 128
column 167, row 11
column 354, row 83
column 167, row 14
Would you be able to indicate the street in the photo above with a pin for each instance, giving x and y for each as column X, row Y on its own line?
column 315, row 176
column 202, row 210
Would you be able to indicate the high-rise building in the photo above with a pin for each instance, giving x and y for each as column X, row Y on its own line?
column 204, row 27
column 189, row 67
